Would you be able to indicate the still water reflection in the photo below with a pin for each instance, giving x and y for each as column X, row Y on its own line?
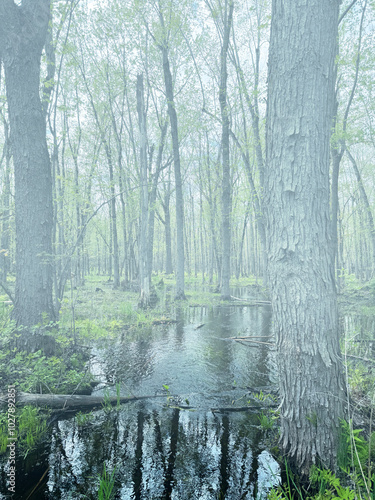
column 159, row 450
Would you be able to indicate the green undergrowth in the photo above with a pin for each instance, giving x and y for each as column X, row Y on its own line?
column 353, row 480
column 355, row 475
column 323, row 484
column 106, row 489
column 62, row 372
column 356, row 294
column 101, row 312
column 30, row 429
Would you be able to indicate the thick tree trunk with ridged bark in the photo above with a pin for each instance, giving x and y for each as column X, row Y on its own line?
column 22, row 36
column 300, row 257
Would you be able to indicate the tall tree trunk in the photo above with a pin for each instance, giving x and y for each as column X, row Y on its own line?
column 5, row 205
column 167, row 227
column 195, row 235
column 301, row 276
column 187, row 250
column 110, row 245
column 153, row 196
column 144, row 275
column 254, row 112
column 116, row 258
column 118, row 129
column 336, row 161
column 112, row 206
column 240, row 253
column 123, row 221
column 338, row 149
column 259, row 217
column 366, row 204
column 201, row 223
column 201, row 230
column 180, row 261
column 74, row 148
column 62, row 270
column 22, row 36
column 226, row 194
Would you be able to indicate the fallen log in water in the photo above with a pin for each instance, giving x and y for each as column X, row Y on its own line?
column 252, row 339
column 242, row 408
column 199, row 326
column 164, row 321
column 64, row 401
column 255, row 302
column 223, row 409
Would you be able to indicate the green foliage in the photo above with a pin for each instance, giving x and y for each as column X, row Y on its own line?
column 127, row 312
column 31, row 426
column 288, row 491
column 261, row 396
column 354, row 458
column 353, row 447
column 276, row 494
column 37, row 373
column 329, row 485
column 166, row 388
column 3, row 432
column 324, row 485
column 107, row 405
column 352, row 283
column 107, row 485
column 266, row 421
column 83, row 419
column 90, row 329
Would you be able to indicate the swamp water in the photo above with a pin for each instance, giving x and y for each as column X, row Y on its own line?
column 158, row 448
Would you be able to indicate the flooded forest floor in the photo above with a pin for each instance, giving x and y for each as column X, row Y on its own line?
column 184, row 396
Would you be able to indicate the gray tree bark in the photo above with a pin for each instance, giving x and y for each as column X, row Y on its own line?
column 167, row 224
column 5, row 205
column 300, row 259
column 226, row 194
column 144, row 275
column 180, row 261
column 113, row 236
column 23, row 32
column 153, row 196
column 366, row 205
column 338, row 149
column 253, row 107
column 74, row 148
